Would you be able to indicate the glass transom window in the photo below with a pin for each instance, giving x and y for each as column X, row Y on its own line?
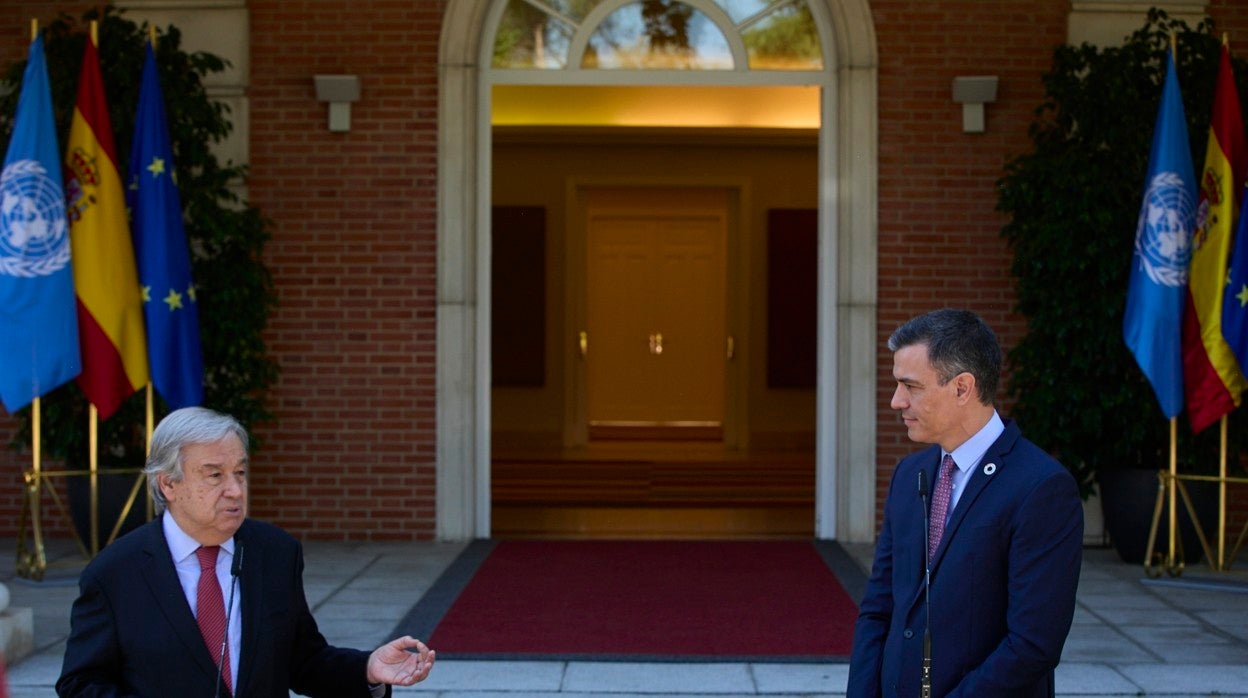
column 657, row 35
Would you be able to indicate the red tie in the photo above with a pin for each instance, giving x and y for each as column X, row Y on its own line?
column 210, row 612
column 940, row 504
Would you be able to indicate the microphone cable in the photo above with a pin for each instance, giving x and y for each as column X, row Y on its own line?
column 235, row 568
column 925, row 690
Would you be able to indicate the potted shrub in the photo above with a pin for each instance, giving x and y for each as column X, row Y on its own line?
column 1073, row 204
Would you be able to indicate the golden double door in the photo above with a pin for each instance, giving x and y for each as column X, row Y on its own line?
column 656, row 311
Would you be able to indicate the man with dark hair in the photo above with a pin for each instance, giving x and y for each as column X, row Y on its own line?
column 203, row 601
column 991, row 521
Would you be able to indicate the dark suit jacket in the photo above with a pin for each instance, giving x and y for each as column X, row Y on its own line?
column 132, row 632
column 1002, row 582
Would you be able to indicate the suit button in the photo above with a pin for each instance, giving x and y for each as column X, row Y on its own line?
column 908, row 634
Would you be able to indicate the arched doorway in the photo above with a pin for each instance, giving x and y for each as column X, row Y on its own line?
column 845, row 448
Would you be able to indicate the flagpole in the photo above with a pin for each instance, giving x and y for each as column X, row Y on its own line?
column 35, row 489
column 93, row 416
column 1222, row 445
column 1174, row 422
column 1170, row 488
column 1226, row 42
column 1222, row 496
column 93, row 460
column 149, row 420
column 1222, row 451
column 151, row 417
column 34, row 492
column 36, row 442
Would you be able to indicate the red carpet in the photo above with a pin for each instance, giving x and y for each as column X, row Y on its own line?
column 652, row 598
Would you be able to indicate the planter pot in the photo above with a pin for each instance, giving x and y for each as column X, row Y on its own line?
column 1128, row 497
column 114, row 488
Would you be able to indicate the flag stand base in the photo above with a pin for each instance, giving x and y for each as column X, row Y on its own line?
column 1171, row 560
column 32, row 559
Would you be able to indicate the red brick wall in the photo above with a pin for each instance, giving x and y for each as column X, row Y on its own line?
column 1232, row 19
column 354, row 256
column 940, row 242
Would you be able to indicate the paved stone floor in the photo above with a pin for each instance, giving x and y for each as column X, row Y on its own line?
column 1130, row 637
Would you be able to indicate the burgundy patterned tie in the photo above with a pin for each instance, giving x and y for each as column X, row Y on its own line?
column 210, row 610
column 940, row 504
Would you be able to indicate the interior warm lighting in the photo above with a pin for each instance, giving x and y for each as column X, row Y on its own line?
column 670, row 106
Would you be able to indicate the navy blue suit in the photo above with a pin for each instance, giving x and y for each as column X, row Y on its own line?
column 132, row 632
column 1003, row 580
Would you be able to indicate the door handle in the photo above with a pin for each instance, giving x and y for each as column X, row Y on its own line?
column 732, row 347
column 583, row 343
column 656, row 343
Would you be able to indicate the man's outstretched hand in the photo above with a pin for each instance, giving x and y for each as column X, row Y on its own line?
column 395, row 663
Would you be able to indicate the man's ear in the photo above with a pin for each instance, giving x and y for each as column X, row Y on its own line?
column 965, row 384
column 166, row 488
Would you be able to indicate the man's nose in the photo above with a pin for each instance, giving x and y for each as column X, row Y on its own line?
column 899, row 399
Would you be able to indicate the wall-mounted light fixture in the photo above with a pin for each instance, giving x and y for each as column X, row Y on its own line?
column 973, row 92
column 339, row 91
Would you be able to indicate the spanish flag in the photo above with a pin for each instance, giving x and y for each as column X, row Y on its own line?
column 110, row 306
column 1212, row 379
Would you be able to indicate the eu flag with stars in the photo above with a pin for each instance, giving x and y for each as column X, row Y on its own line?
column 38, row 310
column 161, row 252
column 1151, row 324
column 1235, row 302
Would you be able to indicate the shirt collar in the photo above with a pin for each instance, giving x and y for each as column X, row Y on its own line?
column 181, row 545
column 972, row 451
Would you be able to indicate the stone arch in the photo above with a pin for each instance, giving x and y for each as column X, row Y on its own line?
column 845, row 450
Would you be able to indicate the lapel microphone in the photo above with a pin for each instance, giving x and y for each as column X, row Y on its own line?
column 235, row 568
column 926, row 684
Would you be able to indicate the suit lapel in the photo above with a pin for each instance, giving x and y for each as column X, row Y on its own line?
column 161, row 579
column 979, row 480
column 250, row 582
column 930, row 466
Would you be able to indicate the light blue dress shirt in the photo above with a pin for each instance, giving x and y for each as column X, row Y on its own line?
column 967, row 457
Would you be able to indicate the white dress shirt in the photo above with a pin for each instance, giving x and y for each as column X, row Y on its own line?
column 183, row 548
